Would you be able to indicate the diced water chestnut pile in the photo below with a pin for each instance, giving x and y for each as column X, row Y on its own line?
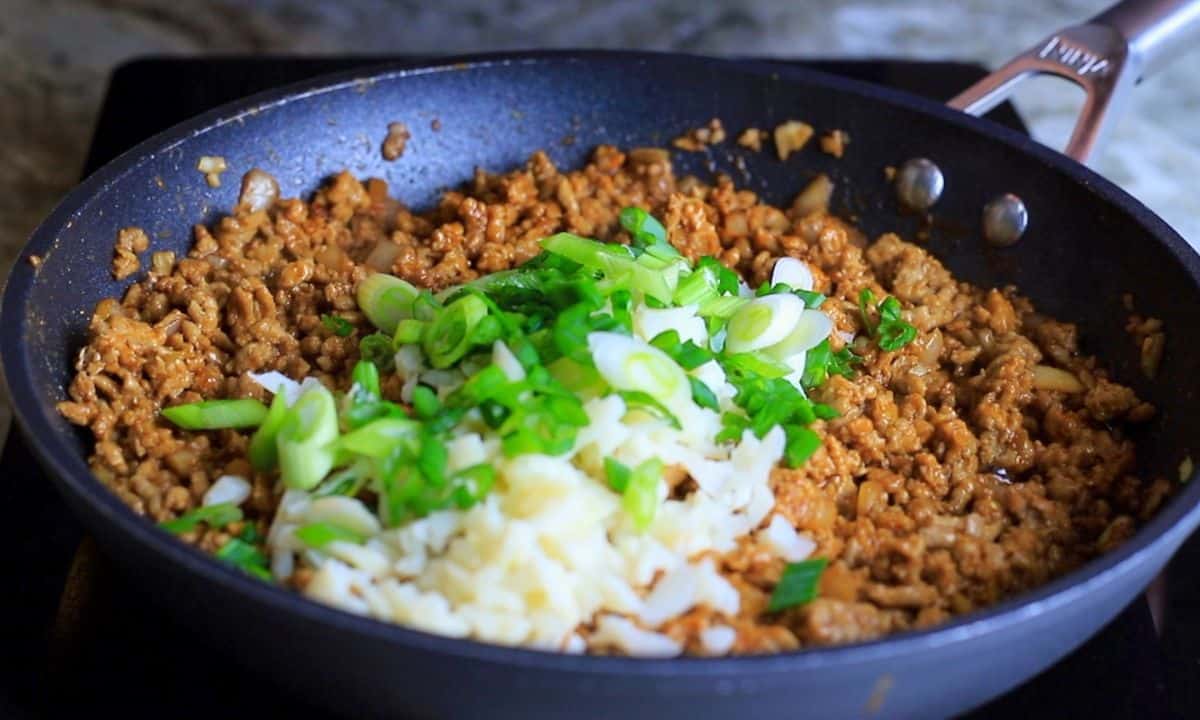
column 607, row 411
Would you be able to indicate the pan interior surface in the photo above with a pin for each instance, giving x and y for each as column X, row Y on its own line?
column 1087, row 246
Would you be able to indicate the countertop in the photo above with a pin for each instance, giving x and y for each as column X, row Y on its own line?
column 55, row 56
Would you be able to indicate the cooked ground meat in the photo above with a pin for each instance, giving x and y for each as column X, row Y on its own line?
column 983, row 459
column 130, row 242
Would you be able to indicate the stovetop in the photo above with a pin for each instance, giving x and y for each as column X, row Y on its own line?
column 80, row 639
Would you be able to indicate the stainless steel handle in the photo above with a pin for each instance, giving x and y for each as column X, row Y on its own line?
column 1105, row 56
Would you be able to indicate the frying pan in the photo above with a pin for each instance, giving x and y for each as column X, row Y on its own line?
column 1086, row 244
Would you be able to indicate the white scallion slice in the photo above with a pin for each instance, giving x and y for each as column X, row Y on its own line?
column 763, row 322
column 507, row 362
column 812, row 326
column 627, row 363
column 793, row 273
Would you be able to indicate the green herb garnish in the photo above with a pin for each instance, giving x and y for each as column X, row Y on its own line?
column 798, row 584
column 339, row 326
column 891, row 332
column 217, row 414
column 214, row 516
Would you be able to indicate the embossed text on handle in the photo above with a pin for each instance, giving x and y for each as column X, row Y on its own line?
column 1081, row 60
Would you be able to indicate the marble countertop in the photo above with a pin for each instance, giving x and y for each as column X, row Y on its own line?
column 55, row 56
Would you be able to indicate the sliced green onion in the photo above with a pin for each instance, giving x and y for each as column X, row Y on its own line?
column 346, row 482
column 727, row 280
column 755, row 364
column 432, row 460
column 617, row 473
column 472, row 484
column 217, row 414
column 588, row 253
column 645, row 230
column 793, row 273
column 866, row 301
column 339, row 326
column 408, row 331
column 640, row 498
column 425, row 402
column 245, row 557
column 630, row 364
column 763, row 322
column 379, row 438
column 386, row 300
column 697, row 288
column 638, row 400
column 798, row 585
column 306, row 437
column 366, row 376
column 319, row 534
column 703, row 396
column 801, row 444
column 723, row 306
column 215, row 516
column 448, row 338
column 377, row 348
column 263, row 452
column 812, row 326
column 576, row 377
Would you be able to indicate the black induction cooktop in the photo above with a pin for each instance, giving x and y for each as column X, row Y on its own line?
column 79, row 641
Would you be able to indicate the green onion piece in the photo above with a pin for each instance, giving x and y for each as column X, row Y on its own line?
column 733, row 426
column 217, row 414
column 486, row 384
column 697, row 288
column 432, row 460
column 727, row 280
column 348, row 481
column 825, row 412
column 866, row 301
column 263, row 452
column 471, row 484
column 306, row 438
column 379, row 438
column 215, row 516
column 755, row 364
column 245, row 557
column 249, row 534
column 425, row 307
column 425, row 402
column 723, row 306
column 798, row 585
column 645, row 230
column 638, row 400
column 812, row 300
column 703, row 396
column 576, row 377
column 620, row 309
column 618, row 474
column 339, row 326
column 841, row 361
column 377, row 348
column 408, row 331
column 640, row 497
column 801, row 444
column 588, row 253
column 386, row 300
column 366, row 376
column 449, row 336
column 319, row 534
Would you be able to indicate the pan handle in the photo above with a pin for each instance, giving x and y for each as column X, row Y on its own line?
column 1105, row 56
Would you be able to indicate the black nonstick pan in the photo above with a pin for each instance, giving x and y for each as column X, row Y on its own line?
column 1086, row 244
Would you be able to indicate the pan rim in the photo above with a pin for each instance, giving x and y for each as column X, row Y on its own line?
column 1170, row 526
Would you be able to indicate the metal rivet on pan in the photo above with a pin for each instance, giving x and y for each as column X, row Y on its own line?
column 1004, row 220
column 919, row 184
